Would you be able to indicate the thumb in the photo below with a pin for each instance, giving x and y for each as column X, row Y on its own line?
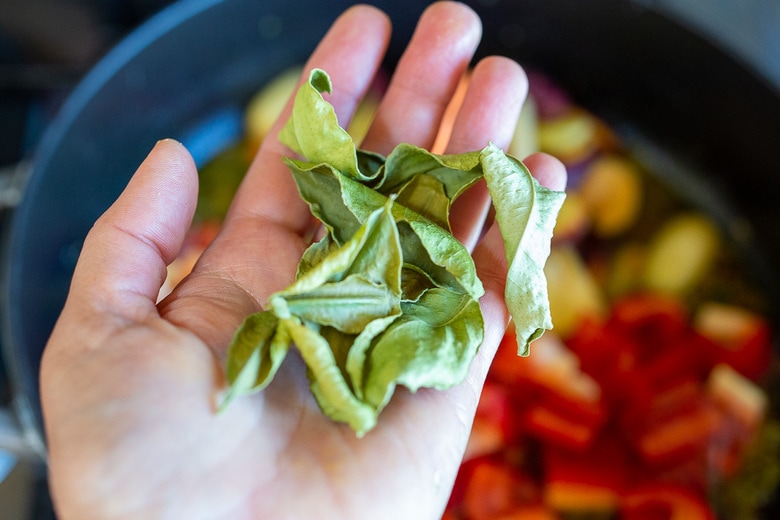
column 124, row 258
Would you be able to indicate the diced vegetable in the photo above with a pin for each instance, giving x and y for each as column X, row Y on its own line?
column 612, row 192
column 497, row 490
column 265, row 107
column 589, row 482
column 738, row 396
column 741, row 338
column 558, row 429
column 572, row 136
column 680, row 436
column 573, row 292
column 681, row 253
column 495, row 424
column 635, row 410
column 656, row 500
column 573, row 220
column 525, row 140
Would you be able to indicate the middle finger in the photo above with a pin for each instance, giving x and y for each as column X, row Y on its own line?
column 425, row 78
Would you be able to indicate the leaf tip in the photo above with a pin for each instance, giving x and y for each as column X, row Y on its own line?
column 320, row 80
column 524, row 345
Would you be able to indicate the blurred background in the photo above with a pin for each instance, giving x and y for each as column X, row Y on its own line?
column 47, row 46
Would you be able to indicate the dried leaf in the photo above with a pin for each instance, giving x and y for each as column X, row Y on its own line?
column 389, row 296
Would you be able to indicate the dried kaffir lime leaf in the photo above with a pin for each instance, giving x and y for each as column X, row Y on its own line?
column 389, row 296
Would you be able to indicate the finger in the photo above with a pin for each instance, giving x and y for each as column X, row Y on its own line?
column 496, row 92
column 262, row 237
column 549, row 171
column 124, row 258
column 491, row 106
column 425, row 78
column 491, row 265
column 350, row 53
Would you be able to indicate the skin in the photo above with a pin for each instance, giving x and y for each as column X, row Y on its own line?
column 128, row 384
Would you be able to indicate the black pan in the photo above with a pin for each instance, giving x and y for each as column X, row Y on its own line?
column 187, row 73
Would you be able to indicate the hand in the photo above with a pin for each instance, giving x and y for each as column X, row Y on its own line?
column 128, row 385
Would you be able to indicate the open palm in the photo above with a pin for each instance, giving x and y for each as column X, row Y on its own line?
column 129, row 385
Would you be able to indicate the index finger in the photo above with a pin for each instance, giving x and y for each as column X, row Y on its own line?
column 351, row 53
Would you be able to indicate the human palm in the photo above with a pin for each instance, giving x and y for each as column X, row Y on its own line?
column 129, row 385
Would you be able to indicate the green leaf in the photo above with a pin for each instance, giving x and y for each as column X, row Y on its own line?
column 258, row 348
column 414, row 282
column 454, row 172
column 342, row 203
column 431, row 345
column 315, row 254
column 417, row 258
column 441, row 247
column 525, row 212
column 348, row 305
column 374, row 251
column 389, row 296
column 313, row 129
column 328, row 384
column 355, row 362
column 425, row 195
column 320, row 186
column 352, row 285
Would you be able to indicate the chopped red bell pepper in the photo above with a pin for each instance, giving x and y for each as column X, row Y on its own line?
column 650, row 317
column 495, row 424
column 586, row 481
column 682, row 358
column 680, row 436
column 643, row 396
column 551, row 426
column 663, row 501
column 530, row 512
column 494, row 488
column 740, row 338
